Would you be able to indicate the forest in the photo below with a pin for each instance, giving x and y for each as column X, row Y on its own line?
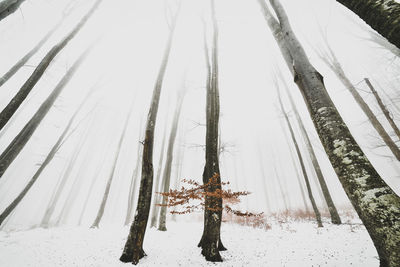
column 200, row 133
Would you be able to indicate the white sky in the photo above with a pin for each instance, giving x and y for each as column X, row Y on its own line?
column 124, row 64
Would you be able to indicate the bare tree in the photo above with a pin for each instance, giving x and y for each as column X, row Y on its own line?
column 61, row 140
column 7, row 7
column 111, row 175
column 383, row 108
column 301, row 161
column 170, row 154
column 381, row 15
column 26, row 88
column 133, row 250
column 19, row 142
column 333, row 63
column 375, row 202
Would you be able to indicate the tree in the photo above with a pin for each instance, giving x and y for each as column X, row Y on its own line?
column 381, row 15
column 301, row 161
column 170, row 154
column 19, row 142
column 335, row 218
column 56, row 147
column 383, row 108
column 26, row 88
column 333, row 63
column 7, row 7
column 102, row 207
column 210, row 241
column 133, row 250
column 377, row 205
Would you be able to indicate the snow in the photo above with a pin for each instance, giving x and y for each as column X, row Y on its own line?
column 285, row 244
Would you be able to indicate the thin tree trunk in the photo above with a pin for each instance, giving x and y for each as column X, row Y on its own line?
column 111, row 175
column 133, row 250
column 210, row 241
column 44, row 164
column 301, row 161
column 383, row 108
column 157, row 185
column 168, row 164
column 132, row 188
column 334, row 65
column 264, row 178
column 19, row 142
column 382, row 15
column 7, row 7
column 375, row 202
column 335, row 218
column 26, row 88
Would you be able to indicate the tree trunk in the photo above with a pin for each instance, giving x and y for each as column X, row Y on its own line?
column 133, row 250
column 102, row 207
column 334, row 65
column 7, row 7
column 47, row 160
column 168, row 164
column 335, row 218
column 383, row 108
column 300, row 157
column 19, row 142
column 382, row 15
column 156, row 199
column 26, row 88
column 135, row 175
column 210, row 241
column 375, row 202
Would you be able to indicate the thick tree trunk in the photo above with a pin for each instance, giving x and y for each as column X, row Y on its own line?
column 168, row 164
column 301, row 161
column 44, row 164
column 26, row 88
column 133, row 250
column 156, row 199
column 132, row 187
column 19, row 142
column 102, row 207
column 7, row 7
column 383, row 108
column 376, row 203
column 334, row 65
column 210, row 241
column 335, row 218
column 382, row 15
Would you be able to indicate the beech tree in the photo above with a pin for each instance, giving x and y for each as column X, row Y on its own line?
column 382, row 15
column 7, row 7
column 377, row 205
column 133, row 250
column 301, row 161
column 19, row 142
column 26, row 88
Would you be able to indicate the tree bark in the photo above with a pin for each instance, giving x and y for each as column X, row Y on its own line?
column 44, row 164
column 26, row 88
column 133, row 250
column 7, row 7
column 382, row 15
column 383, row 108
column 301, row 161
column 210, row 241
column 102, row 207
column 168, row 164
column 377, row 205
column 19, row 142
column 335, row 218
column 336, row 67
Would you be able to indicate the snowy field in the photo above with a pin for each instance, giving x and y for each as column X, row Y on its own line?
column 286, row 244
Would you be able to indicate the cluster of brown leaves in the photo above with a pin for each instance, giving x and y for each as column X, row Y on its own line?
column 200, row 192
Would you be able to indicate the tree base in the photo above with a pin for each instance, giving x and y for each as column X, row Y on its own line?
column 134, row 257
column 211, row 253
column 162, row 228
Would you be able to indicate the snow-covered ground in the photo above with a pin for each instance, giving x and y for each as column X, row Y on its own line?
column 287, row 244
